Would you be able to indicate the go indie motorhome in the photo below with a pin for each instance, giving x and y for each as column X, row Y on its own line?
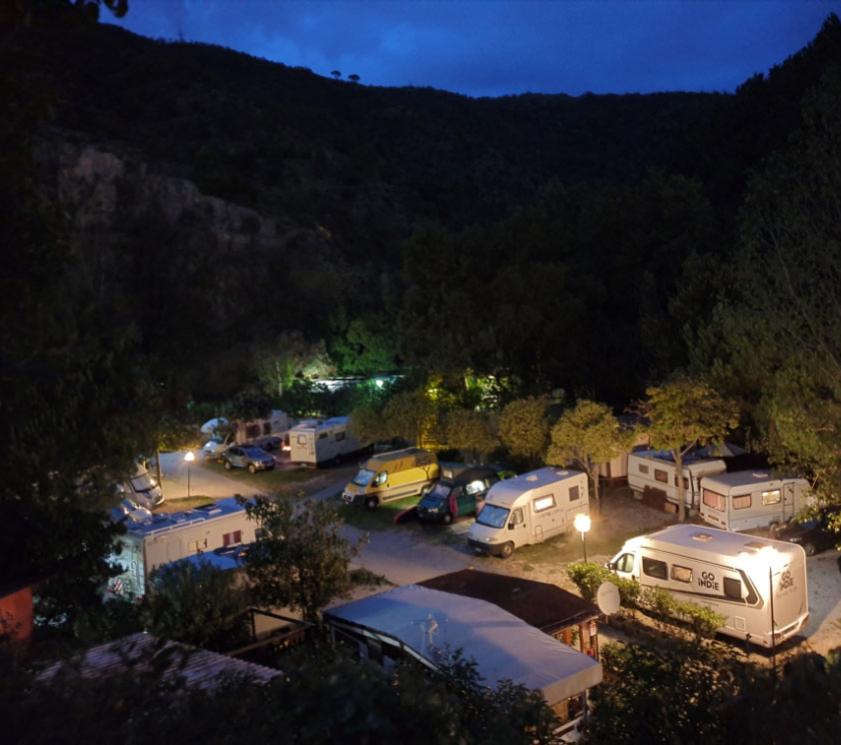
column 751, row 499
column 528, row 509
column 655, row 471
column 758, row 585
column 315, row 442
column 163, row 538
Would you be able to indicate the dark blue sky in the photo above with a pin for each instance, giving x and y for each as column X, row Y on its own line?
column 496, row 47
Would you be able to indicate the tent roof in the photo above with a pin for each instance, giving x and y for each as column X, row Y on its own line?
column 431, row 622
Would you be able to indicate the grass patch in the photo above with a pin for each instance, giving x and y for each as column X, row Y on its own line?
column 382, row 518
column 265, row 480
column 179, row 505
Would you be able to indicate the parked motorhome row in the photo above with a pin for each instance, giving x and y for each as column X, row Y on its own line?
column 529, row 509
column 317, row 441
column 758, row 585
column 164, row 538
column 656, row 470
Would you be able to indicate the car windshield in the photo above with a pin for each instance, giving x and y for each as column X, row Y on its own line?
column 492, row 516
column 255, row 453
column 142, row 483
column 363, row 478
column 438, row 494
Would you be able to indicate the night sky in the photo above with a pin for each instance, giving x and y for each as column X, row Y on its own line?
column 497, row 47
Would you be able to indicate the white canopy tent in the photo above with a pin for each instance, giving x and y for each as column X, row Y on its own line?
column 428, row 623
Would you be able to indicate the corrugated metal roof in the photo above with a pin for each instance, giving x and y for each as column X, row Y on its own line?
column 143, row 653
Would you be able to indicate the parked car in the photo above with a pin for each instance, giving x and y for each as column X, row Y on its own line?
column 813, row 535
column 214, row 447
column 458, row 492
column 242, row 456
column 142, row 488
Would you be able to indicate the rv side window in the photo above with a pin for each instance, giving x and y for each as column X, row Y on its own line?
column 714, row 501
column 654, row 568
column 643, row 468
column 661, row 476
column 302, row 439
column 322, row 436
column 231, row 539
column 685, row 483
column 517, row 516
column 544, row 503
column 267, row 428
column 340, row 436
column 475, row 487
column 625, row 563
column 741, row 503
column 732, row 588
column 573, row 493
column 771, row 497
column 681, row 574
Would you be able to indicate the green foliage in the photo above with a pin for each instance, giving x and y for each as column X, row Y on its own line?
column 301, row 561
column 411, row 416
column 197, row 604
column 366, row 345
column 586, row 437
column 701, row 620
column 588, row 577
column 288, row 358
column 472, row 432
column 368, row 424
column 524, row 427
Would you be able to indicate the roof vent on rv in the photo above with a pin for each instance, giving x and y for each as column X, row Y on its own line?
column 702, row 537
column 759, row 475
column 214, row 511
column 756, row 544
column 563, row 472
column 531, row 477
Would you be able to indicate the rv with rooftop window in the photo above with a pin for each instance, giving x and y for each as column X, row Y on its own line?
column 528, row 509
column 655, row 471
column 751, row 499
column 757, row 584
column 315, row 442
column 154, row 540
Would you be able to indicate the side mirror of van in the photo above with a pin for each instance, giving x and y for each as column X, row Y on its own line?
column 611, row 565
column 510, row 526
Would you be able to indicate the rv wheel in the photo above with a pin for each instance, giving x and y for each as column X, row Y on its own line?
column 447, row 519
column 507, row 550
column 809, row 548
column 371, row 503
column 773, row 528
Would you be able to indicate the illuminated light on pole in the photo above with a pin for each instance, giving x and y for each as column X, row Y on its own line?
column 189, row 458
column 582, row 525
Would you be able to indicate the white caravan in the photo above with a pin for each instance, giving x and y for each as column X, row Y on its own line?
column 277, row 423
column 163, row 538
column 655, row 470
column 529, row 509
column 316, row 441
column 751, row 499
column 759, row 585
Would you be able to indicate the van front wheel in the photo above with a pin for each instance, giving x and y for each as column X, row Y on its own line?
column 506, row 550
column 371, row 503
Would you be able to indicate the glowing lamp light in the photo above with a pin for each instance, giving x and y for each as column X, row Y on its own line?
column 188, row 458
column 379, row 382
column 582, row 525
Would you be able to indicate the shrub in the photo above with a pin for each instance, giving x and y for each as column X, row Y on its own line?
column 588, row 576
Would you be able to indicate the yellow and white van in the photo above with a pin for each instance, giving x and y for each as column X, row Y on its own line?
column 390, row 476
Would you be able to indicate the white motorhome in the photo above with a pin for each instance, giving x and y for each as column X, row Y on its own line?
column 317, row 441
column 758, row 584
column 160, row 539
column 751, row 499
column 529, row 509
column 655, row 471
column 277, row 423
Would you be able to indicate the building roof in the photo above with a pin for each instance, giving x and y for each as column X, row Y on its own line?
column 430, row 623
column 163, row 522
column 540, row 604
column 505, row 493
column 144, row 653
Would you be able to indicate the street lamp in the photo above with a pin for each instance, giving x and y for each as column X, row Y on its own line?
column 189, row 458
column 582, row 525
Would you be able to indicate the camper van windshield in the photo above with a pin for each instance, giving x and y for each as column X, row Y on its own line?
column 363, row 478
column 492, row 516
column 438, row 494
column 142, row 482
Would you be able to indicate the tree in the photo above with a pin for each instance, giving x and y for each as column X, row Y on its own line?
column 353, row 77
column 197, row 604
column 682, row 415
column 367, row 422
column 336, row 74
column 524, row 427
column 472, row 432
column 301, row 562
column 586, row 437
column 411, row 415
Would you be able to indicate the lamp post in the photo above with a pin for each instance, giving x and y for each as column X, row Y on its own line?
column 582, row 525
column 189, row 458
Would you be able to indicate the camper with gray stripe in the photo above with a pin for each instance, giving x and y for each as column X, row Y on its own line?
column 757, row 584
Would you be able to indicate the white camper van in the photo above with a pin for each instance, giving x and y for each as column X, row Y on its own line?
column 529, row 509
column 759, row 585
column 655, row 470
column 277, row 423
column 751, row 499
column 163, row 538
column 316, row 441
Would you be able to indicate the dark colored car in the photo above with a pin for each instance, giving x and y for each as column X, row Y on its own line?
column 813, row 535
column 458, row 492
column 243, row 456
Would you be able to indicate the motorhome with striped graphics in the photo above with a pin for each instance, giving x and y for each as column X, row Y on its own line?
column 757, row 584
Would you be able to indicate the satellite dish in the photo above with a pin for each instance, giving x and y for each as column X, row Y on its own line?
column 607, row 598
